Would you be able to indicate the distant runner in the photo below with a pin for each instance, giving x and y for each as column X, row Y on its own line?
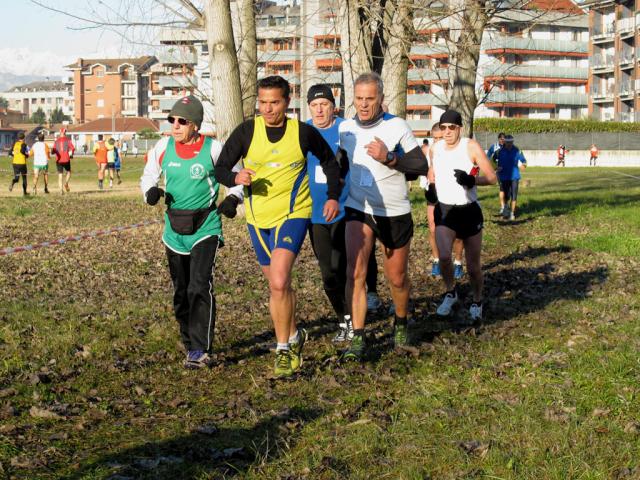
column 19, row 153
column 40, row 152
column 63, row 149
column 510, row 161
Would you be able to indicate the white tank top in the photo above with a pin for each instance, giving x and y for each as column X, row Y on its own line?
column 40, row 157
column 444, row 163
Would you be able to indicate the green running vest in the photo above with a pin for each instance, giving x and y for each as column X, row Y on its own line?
column 192, row 185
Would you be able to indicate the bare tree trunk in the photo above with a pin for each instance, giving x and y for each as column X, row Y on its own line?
column 248, row 56
column 463, row 98
column 225, row 75
column 398, row 28
column 355, row 47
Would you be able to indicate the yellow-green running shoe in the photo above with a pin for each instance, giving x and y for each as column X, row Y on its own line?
column 282, row 367
column 401, row 335
column 356, row 351
column 296, row 349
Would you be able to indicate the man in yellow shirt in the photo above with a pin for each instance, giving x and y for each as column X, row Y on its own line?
column 19, row 152
column 278, row 202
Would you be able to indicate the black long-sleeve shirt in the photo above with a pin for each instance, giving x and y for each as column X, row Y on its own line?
column 237, row 146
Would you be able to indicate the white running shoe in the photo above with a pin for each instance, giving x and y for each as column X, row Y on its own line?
column 448, row 301
column 475, row 312
column 373, row 302
column 345, row 330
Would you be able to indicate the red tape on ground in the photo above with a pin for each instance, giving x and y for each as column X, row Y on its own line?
column 75, row 238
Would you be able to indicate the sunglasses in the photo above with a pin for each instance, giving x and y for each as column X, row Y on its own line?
column 181, row 121
column 450, row 127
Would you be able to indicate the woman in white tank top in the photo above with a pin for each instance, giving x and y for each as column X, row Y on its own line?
column 456, row 162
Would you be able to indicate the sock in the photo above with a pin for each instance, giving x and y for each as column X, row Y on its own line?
column 282, row 346
column 453, row 291
column 400, row 320
column 295, row 338
column 479, row 304
column 358, row 331
column 457, row 262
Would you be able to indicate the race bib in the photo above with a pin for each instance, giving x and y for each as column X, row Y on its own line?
column 320, row 176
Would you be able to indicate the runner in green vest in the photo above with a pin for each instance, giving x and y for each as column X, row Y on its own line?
column 193, row 229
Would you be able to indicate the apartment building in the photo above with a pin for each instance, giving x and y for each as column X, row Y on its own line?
column 172, row 78
column 47, row 95
column 532, row 64
column 535, row 63
column 614, row 74
column 110, row 87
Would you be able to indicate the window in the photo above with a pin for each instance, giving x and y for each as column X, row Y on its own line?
column 99, row 71
column 100, row 88
column 205, row 49
column 100, row 103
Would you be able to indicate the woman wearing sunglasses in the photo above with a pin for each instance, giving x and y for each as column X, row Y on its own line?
column 193, row 228
column 456, row 163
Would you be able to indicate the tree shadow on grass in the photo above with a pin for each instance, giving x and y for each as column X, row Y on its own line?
column 510, row 292
column 223, row 453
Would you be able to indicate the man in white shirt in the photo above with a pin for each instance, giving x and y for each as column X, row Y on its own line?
column 382, row 153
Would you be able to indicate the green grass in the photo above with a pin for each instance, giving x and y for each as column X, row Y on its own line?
column 547, row 388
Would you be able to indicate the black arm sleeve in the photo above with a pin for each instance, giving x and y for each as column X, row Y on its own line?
column 24, row 150
column 235, row 148
column 342, row 157
column 412, row 163
column 311, row 141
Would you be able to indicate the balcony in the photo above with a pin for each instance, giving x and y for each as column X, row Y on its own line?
column 535, row 71
column 177, row 81
column 280, row 55
column 428, row 74
column 625, row 26
column 603, row 33
column 599, row 94
column 625, row 89
column 430, row 50
column 424, row 99
column 626, row 58
column 325, row 77
column 500, row 43
column 177, row 56
column 602, row 63
column 539, row 98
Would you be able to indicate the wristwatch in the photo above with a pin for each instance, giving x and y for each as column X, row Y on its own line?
column 390, row 158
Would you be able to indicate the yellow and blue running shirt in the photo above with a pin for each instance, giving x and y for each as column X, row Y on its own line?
column 280, row 188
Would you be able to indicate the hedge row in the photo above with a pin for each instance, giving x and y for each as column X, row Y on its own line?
column 526, row 125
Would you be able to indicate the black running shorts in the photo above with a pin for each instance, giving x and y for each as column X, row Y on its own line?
column 510, row 189
column 61, row 167
column 19, row 169
column 393, row 232
column 465, row 220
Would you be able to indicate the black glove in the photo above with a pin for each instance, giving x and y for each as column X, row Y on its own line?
column 464, row 179
column 153, row 195
column 228, row 206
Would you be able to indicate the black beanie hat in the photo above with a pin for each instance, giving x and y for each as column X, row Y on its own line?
column 190, row 108
column 320, row 90
column 451, row 116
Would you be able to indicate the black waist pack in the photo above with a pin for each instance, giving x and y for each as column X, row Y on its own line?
column 187, row 222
